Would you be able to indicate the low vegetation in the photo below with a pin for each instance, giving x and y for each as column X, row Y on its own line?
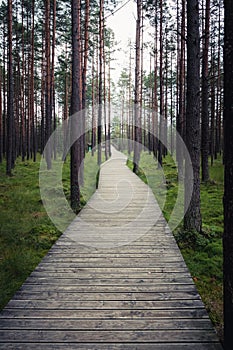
column 202, row 252
column 26, row 232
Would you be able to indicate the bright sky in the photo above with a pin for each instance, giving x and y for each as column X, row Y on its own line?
column 123, row 23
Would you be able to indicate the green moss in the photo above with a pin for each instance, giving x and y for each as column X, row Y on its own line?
column 26, row 232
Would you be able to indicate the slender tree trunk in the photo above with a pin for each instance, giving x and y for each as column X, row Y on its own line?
column 181, row 106
column 76, row 105
column 84, row 86
column 155, row 99
column 32, row 87
column 137, row 90
column 192, row 219
column 161, row 90
column 109, row 103
column 1, row 134
column 48, row 116
column 212, row 109
column 10, row 103
column 100, row 107
column 93, row 106
column 4, row 88
column 52, row 90
column 219, row 112
column 205, row 99
column 23, row 124
column 228, row 192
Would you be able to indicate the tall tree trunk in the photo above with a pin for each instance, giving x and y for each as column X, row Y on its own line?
column 48, row 115
column 23, row 121
column 1, row 133
column 137, row 90
column 84, row 86
column 109, row 103
column 192, row 219
column 219, row 112
column 205, row 99
column 100, row 107
column 32, row 87
column 181, row 106
column 52, row 88
column 76, row 104
column 155, row 96
column 10, row 103
column 161, row 90
column 228, row 161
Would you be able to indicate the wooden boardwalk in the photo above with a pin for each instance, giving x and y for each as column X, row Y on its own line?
column 114, row 280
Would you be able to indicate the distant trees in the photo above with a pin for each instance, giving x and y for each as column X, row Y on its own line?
column 228, row 178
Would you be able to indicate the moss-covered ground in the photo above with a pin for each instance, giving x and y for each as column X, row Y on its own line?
column 26, row 232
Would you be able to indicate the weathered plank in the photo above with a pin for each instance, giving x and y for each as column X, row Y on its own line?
column 114, row 280
column 111, row 346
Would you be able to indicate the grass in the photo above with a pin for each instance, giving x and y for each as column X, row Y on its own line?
column 26, row 232
column 203, row 252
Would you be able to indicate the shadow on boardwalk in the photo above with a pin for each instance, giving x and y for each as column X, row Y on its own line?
column 114, row 280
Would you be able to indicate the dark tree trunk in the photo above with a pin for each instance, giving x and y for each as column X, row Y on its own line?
column 137, row 90
column 76, row 103
column 192, row 219
column 1, row 133
column 32, row 87
column 10, row 103
column 181, row 106
column 23, row 121
column 228, row 193
column 161, row 92
column 52, row 88
column 155, row 95
column 205, row 99
column 48, row 115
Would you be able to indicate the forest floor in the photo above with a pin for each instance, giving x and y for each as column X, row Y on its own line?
column 26, row 232
column 203, row 253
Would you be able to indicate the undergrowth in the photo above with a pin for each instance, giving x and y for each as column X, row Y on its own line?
column 26, row 232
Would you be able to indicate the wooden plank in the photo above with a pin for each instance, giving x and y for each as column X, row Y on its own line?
column 101, row 336
column 110, row 281
column 104, row 304
column 111, row 346
column 102, row 314
column 114, row 324
column 31, row 288
column 74, row 296
column 74, row 273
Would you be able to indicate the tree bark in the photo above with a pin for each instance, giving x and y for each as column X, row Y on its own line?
column 76, row 105
column 228, row 192
column 192, row 219
column 161, row 90
column 205, row 99
column 48, row 115
column 100, row 107
column 10, row 103
column 136, row 157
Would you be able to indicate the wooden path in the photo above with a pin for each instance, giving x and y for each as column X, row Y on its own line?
column 114, row 280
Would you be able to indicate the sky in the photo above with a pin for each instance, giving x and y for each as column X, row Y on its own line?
column 123, row 23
